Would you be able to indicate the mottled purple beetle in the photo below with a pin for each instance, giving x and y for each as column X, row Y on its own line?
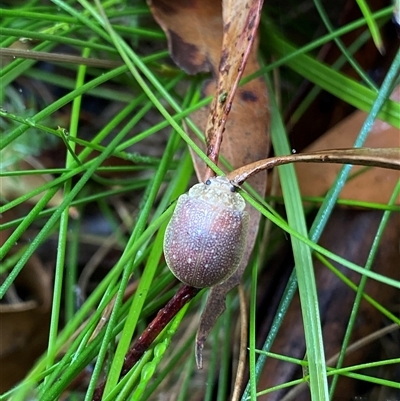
column 205, row 239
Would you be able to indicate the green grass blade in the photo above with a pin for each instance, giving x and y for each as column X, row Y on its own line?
column 303, row 263
column 334, row 82
column 373, row 27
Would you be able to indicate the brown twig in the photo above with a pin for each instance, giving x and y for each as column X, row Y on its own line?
column 184, row 295
column 375, row 157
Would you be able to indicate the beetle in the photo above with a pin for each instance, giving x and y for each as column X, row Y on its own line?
column 205, row 239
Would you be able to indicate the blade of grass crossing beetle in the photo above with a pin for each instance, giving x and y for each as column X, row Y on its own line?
column 181, row 181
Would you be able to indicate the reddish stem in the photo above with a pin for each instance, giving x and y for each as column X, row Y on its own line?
column 184, row 295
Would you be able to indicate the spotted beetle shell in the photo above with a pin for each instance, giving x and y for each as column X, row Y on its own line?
column 205, row 239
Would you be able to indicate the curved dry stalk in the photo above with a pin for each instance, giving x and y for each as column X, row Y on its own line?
column 375, row 157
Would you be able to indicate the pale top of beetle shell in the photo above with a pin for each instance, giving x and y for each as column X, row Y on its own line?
column 218, row 191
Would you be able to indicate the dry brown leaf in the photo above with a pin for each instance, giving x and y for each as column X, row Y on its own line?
column 194, row 32
column 24, row 322
column 373, row 185
column 14, row 186
column 213, row 36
